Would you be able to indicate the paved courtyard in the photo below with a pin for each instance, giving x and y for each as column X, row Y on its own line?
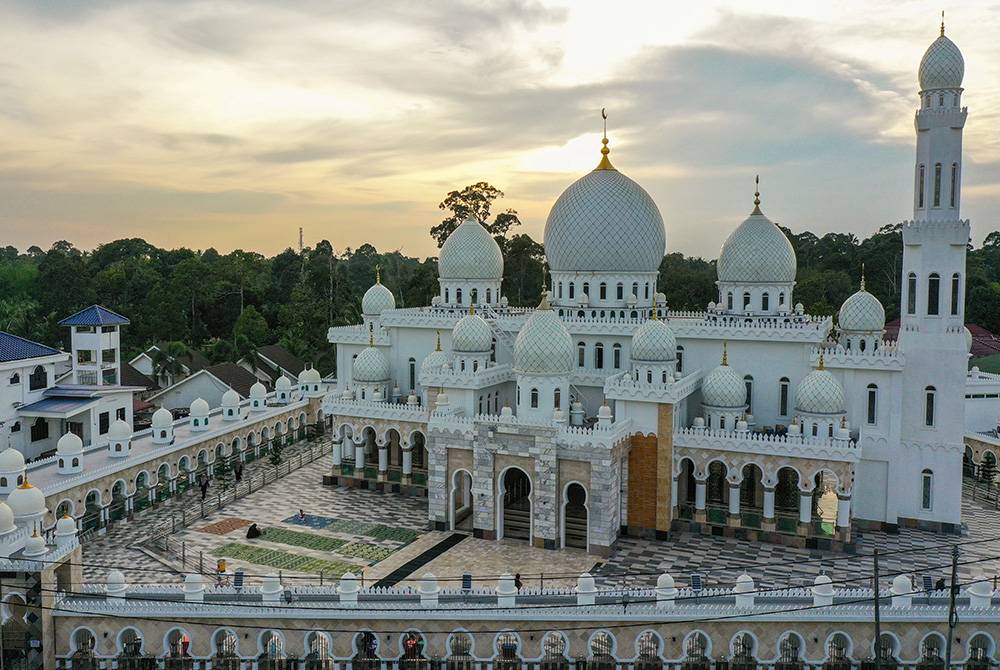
column 385, row 538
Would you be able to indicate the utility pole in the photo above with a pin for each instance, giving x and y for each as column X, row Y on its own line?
column 300, row 239
column 878, row 620
column 952, row 614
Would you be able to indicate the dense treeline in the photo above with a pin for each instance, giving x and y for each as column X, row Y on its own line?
column 228, row 304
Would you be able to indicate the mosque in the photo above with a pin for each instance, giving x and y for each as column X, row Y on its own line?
column 603, row 411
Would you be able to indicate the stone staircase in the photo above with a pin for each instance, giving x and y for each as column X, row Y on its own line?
column 517, row 524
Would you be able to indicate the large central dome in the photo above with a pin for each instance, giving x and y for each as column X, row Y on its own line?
column 604, row 222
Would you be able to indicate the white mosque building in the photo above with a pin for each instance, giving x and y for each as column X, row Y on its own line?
column 603, row 411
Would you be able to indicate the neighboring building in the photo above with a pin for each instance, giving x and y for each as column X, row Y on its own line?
column 27, row 370
column 604, row 411
column 273, row 362
column 209, row 383
column 191, row 362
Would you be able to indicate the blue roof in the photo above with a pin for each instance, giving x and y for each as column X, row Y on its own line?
column 95, row 315
column 14, row 348
column 57, row 406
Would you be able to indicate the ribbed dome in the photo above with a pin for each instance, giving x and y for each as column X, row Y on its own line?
column 820, row 393
column 282, row 384
column 6, row 519
column 69, row 444
column 433, row 361
column 470, row 252
column 604, row 222
column 757, row 252
column 11, row 460
column 230, row 398
column 377, row 299
column 543, row 347
column 862, row 312
column 942, row 65
column 120, row 430
column 371, row 365
column 199, row 407
column 724, row 387
column 309, row 376
column 654, row 341
column 258, row 390
column 26, row 500
column 162, row 418
column 472, row 335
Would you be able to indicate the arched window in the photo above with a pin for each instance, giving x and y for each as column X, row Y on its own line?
column 911, row 293
column 616, row 354
column 534, row 398
column 489, row 296
column 783, row 396
column 447, row 296
column 926, row 489
column 937, row 185
column 37, row 379
column 729, row 301
column 557, row 398
column 781, row 298
column 413, row 373
column 76, row 462
column 559, row 291
column 39, row 430
column 15, row 378
column 518, row 395
column 953, row 194
column 680, row 358
column 462, row 365
column 458, row 296
column 956, row 282
column 664, row 375
column 480, row 404
column 765, row 302
column 572, row 290
column 635, row 289
column 581, row 354
column 473, row 297
column 921, row 177
column 646, row 291
column 746, row 299
column 586, row 289
column 493, row 350
column 599, row 356
column 872, row 413
column 929, row 394
column 748, row 383
column 620, row 291
column 649, row 376
column 475, row 366
column 603, row 291
column 933, row 294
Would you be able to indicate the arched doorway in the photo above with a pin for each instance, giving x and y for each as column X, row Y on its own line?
column 576, row 530
column 119, row 495
column 825, row 504
column 227, row 654
column 515, row 505
column 786, row 501
column 461, row 501
column 178, row 651
column 16, row 644
column 92, row 513
column 752, row 496
column 686, row 487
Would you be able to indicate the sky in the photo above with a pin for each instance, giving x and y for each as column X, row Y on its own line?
column 233, row 124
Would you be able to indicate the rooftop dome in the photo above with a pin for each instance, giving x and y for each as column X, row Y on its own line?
column 819, row 392
column 543, row 347
column 35, row 546
column 604, row 222
column 862, row 312
column 377, row 299
column 230, row 398
column 66, row 525
column 162, row 418
column 6, row 519
column 757, row 252
column 11, row 460
column 470, row 252
column 309, row 376
column 199, row 407
column 69, row 444
column 472, row 334
column 371, row 365
column 942, row 65
column 724, row 387
column 434, row 360
column 282, row 384
column 258, row 390
column 120, row 430
column 654, row 341
column 26, row 500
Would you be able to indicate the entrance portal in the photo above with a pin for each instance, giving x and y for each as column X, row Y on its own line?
column 516, row 505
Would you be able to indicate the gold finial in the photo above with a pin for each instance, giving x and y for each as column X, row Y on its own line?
column 605, row 164
column 652, row 314
column 862, row 276
column 942, row 23
column 822, row 364
column 544, row 303
column 472, row 307
column 756, row 195
column 378, row 274
column 438, row 341
column 25, row 484
column 725, row 354
column 371, row 338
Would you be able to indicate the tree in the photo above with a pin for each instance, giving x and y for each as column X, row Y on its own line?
column 167, row 365
column 276, row 448
column 252, row 326
column 475, row 201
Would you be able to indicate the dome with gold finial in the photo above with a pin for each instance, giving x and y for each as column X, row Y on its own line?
column 819, row 392
column 371, row 365
column 433, row 361
column 723, row 387
column 543, row 345
column 861, row 313
column 470, row 252
column 757, row 252
column 604, row 222
column 942, row 66
column 378, row 298
column 654, row 341
column 472, row 334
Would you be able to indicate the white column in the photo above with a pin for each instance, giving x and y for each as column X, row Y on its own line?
column 359, row 455
column 337, row 455
column 407, row 461
column 673, row 492
column 383, row 459
column 345, row 449
column 734, row 498
column 699, row 494
column 769, row 503
column 843, row 511
column 805, row 506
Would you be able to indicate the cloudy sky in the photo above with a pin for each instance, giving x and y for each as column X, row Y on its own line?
column 232, row 124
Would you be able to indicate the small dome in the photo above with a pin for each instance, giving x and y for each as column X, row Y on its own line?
column 819, row 392
column 66, row 525
column 724, row 387
column 377, row 299
column 230, row 398
column 757, row 252
column 543, row 347
column 6, row 519
column 942, row 65
column 69, row 444
column 282, row 384
column 310, row 376
column 26, row 500
column 470, row 252
column 604, row 222
column 371, row 365
column 744, row 584
column 654, row 341
column 11, row 460
column 35, row 545
column 901, row 585
column 120, row 431
column 433, row 361
column 862, row 313
column 472, row 335
column 199, row 407
column 258, row 391
column 162, row 418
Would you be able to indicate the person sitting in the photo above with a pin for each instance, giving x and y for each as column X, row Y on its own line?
column 253, row 532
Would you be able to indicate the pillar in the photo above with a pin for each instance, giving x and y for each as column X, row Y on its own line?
column 407, row 466
column 700, row 486
column 805, row 512
column 338, row 455
column 383, row 462
column 768, row 522
column 735, row 520
column 844, row 516
column 359, row 459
